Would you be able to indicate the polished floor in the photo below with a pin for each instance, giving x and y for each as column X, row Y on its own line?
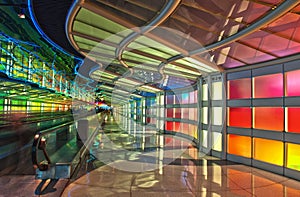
column 212, row 178
column 136, row 166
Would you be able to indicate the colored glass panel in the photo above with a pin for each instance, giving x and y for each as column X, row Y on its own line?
column 239, row 145
column 170, row 112
column 269, row 151
column 292, row 83
column 177, row 112
column 293, row 156
column 193, row 131
column 185, row 113
column 170, row 99
column 268, row 118
column 239, row 88
column 239, row 117
column 177, row 126
column 268, row 86
column 192, row 97
column 169, row 126
column 185, row 128
column 293, row 117
column 185, row 98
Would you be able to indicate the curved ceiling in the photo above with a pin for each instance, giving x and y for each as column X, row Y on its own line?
column 163, row 44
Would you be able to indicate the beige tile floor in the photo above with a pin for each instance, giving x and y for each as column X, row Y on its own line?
column 210, row 179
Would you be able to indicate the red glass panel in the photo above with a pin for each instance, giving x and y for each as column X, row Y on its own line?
column 268, row 86
column 177, row 112
column 185, row 128
column 292, row 83
column 239, row 117
column 170, row 112
column 239, row 88
column 268, row 118
column 293, row 117
column 169, row 126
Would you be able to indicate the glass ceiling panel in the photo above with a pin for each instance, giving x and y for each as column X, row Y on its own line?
column 248, row 12
column 179, row 74
column 195, row 64
column 180, row 69
column 139, row 58
column 149, row 44
column 96, row 20
column 94, row 32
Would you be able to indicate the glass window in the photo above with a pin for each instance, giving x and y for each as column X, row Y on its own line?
column 217, row 116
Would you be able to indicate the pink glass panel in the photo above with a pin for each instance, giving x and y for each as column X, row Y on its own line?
column 268, row 86
column 292, row 83
column 268, row 118
column 185, row 113
column 170, row 99
column 192, row 97
column 239, row 88
column 177, row 126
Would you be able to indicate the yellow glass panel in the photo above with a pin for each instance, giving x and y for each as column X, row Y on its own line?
column 269, row 151
column 293, row 156
column 205, row 140
column 204, row 92
column 205, row 115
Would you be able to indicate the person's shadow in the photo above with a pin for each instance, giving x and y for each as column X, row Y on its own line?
column 44, row 189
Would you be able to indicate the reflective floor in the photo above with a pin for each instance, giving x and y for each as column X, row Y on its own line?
column 145, row 168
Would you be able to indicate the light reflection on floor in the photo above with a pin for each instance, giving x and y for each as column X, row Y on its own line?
column 137, row 169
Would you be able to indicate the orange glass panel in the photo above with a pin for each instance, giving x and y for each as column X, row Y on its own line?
column 193, row 131
column 293, row 156
column 269, row 151
column 268, row 118
column 268, row 86
column 239, row 117
column 185, row 113
column 239, row 145
column 185, row 128
column 292, row 83
column 239, row 88
column 177, row 126
column 293, row 117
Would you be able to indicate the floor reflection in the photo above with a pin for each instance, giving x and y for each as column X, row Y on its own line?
column 154, row 165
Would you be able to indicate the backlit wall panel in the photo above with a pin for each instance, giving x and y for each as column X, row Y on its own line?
column 268, row 118
column 239, row 145
column 292, row 83
column 239, row 117
column 239, row 88
column 293, row 156
column 293, row 119
column 268, row 86
column 269, row 151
